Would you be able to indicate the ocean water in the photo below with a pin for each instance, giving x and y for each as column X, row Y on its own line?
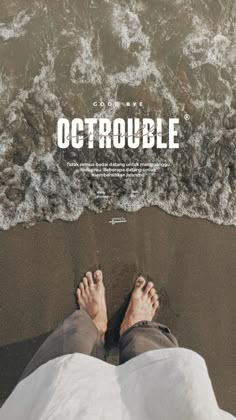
column 176, row 56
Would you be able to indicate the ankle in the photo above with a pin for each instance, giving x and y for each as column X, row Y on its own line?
column 101, row 326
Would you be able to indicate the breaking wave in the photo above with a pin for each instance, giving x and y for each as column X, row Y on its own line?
column 59, row 57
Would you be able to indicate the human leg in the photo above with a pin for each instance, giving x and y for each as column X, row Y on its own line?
column 81, row 332
column 138, row 333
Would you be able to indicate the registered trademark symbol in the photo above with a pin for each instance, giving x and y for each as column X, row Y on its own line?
column 187, row 117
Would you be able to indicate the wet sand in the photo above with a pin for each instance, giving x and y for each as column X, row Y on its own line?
column 191, row 261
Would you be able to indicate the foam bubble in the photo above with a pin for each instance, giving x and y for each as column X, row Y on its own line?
column 16, row 28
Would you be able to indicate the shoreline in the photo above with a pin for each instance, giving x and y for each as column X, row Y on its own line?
column 191, row 261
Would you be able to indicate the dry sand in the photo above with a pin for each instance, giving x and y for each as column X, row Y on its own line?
column 191, row 261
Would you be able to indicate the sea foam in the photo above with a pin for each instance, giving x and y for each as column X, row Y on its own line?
column 178, row 61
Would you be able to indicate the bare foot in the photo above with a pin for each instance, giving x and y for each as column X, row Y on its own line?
column 91, row 297
column 142, row 306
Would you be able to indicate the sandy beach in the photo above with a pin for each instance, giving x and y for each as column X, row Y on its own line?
column 101, row 61
column 191, row 261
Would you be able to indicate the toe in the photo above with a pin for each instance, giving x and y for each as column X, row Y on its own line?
column 154, row 298
column 155, row 305
column 81, row 286
column 85, row 283
column 152, row 292
column 148, row 287
column 140, row 282
column 78, row 293
column 89, row 278
column 98, row 276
